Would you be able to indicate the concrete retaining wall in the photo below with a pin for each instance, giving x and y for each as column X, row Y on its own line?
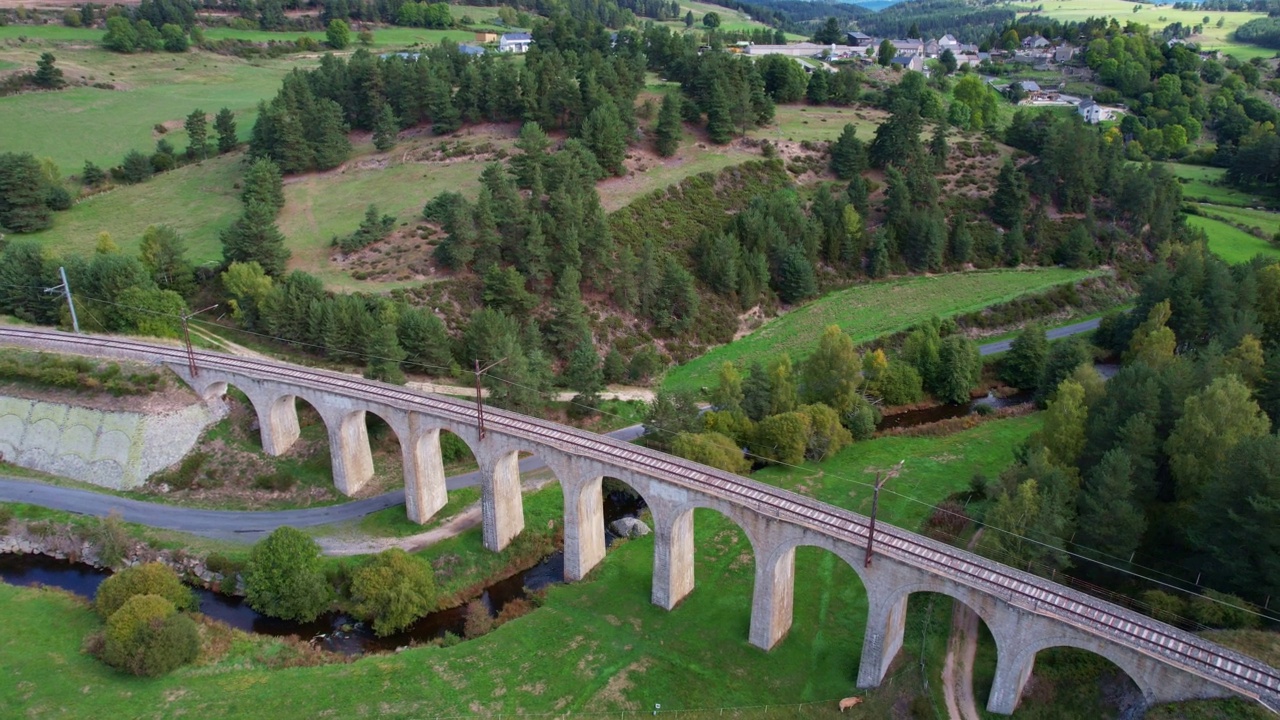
column 117, row 450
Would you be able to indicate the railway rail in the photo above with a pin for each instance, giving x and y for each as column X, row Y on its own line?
column 1184, row 650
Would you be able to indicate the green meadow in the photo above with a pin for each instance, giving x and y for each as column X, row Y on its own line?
column 1158, row 16
column 867, row 311
column 1231, row 243
column 1206, row 184
column 87, row 123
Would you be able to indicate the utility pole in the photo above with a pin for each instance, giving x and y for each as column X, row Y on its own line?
column 881, row 479
column 479, row 399
column 65, row 288
column 186, row 336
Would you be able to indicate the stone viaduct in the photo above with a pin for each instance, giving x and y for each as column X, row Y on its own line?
column 1025, row 613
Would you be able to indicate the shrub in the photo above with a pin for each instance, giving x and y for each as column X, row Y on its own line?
column 276, row 481
column 223, row 565
column 1220, row 610
column 6, row 515
column 284, row 579
column 393, row 590
column 147, row 636
column 149, row 579
column 514, row 609
column 946, row 521
column 112, row 540
column 478, row 620
column 1165, row 607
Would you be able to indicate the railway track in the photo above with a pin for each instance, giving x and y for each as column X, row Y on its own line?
column 1241, row 674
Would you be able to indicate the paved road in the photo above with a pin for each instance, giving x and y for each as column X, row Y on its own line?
column 249, row 526
column 1054, row 334
column 246, row 526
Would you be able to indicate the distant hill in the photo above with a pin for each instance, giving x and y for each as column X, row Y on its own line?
column 874, row 5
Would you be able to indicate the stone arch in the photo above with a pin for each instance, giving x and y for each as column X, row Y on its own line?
column 425, row 484
column 773, row 604
column 584, row 504
column 501, row 498
column 1015, row 664
column 674, row 527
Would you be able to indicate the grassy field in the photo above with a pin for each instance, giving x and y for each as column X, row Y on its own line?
column 85, row 123
column 1215, row 38
column 868, row 311
column 1264, row 220
column 1230, row 243
column 803, row 122
column 1205, row 184
column 595, row 646
column 198, row 200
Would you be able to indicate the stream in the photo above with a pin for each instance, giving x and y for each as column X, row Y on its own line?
column 335, row 631
column 911, row 418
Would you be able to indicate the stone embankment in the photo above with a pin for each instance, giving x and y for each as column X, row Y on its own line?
column 89, row 546
column 117, row 449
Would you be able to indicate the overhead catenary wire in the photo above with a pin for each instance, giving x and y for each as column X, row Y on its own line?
column 543, row 393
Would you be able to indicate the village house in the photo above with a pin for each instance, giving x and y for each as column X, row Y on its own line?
column 515, row 42
column 1093, row 113
column 484, row 36
column 909, row 62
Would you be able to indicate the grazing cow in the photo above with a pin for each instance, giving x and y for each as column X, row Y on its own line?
column 849, row 702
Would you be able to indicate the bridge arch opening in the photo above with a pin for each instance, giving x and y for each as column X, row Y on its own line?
column 1059, row 671
column 601, row 513
column 828, row 612
column 721, row 556
column 939, row 624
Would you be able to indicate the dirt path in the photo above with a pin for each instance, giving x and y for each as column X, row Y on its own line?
column 957, row 669
column 456, row 525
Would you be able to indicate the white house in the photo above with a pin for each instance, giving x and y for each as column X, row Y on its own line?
column 1093, row 113
column 801, row 49
column 909, row 62
column 515, row 42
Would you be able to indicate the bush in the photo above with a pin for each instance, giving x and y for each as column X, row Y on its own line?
column 393, row 590
column 223, row 565
column 1220, row 610
column 147, row 636
column 284, row 579
column 149, row 579
column 514, row 609
column 276, row 482
column 112, row 540
column 1165, row 607
column 478, row 620
column 6, row 516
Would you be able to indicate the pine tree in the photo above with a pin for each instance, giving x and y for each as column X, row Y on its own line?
column 425, row 341
column 263, row 184
column 796, row 281
column 819, row 88
column 197, row 135
column 332, row 148
column 961, row 242
column 719, row 119
column 385, row 353
column 532, row 144
column 163, row 253
column 582, row 370
column 568, row 321
column 1009, row 201
column 225, row 125
column 667, row 134
column 938, row 148
column 385, row 129
column 615, row 367
column 92, row 176
column 47, row 76
column 1110, row 520
column 604, row 134
column 23, row 192
column 848, row 157
column 254, row 237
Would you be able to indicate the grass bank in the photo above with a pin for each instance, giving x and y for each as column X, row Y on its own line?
column 866, row 312
column 1231, row 243
column 1158, row 16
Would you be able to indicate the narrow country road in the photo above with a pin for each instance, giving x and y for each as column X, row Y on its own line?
column 249, row 526
column 1053, row 334
column 246, row 526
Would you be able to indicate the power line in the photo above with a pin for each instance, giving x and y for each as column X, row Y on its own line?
column 749, row 454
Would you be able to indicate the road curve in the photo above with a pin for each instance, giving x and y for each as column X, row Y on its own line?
column 237, row 525
column 1053, row 334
